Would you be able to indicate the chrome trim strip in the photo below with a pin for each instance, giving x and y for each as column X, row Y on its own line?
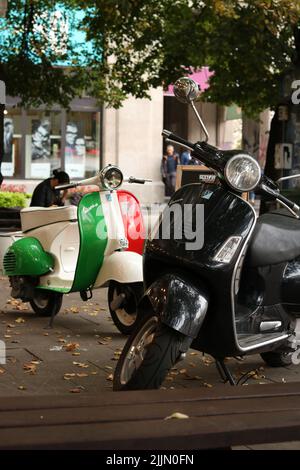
column 264, row 343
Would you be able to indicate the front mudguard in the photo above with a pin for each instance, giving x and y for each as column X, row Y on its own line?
column 179, row 303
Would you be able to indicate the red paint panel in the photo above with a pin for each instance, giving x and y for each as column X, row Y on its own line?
column 133, row 221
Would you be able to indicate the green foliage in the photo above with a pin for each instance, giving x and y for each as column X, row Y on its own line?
column 140, row 44
column 8, row 199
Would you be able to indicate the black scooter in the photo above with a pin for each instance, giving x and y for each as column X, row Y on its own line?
column 237, row 295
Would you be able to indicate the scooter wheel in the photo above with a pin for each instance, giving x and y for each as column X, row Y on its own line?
column 46, row 303
column 150, row 352
column 125, row 315
column 277, row 359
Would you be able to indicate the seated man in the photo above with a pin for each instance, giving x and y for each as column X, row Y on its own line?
column 45, row 195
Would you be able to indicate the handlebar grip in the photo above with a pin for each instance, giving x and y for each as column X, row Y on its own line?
column 131, row 179
column 288, row 202
column 175, row 138
column 276, row 194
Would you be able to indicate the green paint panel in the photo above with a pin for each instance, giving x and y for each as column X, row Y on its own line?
column 62, row 290
column 26, row 257
column 93, row 241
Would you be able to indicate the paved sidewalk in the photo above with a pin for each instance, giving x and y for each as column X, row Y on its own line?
column 79, row 354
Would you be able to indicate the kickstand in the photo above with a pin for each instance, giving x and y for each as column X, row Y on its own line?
column 224, row 372
column 51, row 320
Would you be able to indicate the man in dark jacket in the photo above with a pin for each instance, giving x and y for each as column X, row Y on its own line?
column 45, row 195
column 168, row 169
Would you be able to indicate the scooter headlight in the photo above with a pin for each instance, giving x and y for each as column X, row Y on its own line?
column 111, row 177
column 242, row 172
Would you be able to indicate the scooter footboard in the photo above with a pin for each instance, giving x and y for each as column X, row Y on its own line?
column 180, row 304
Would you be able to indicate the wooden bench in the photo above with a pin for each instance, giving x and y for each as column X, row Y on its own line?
column 219, row 417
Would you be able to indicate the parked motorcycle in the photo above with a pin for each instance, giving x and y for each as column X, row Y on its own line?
column 79, row 249
column 237, row 295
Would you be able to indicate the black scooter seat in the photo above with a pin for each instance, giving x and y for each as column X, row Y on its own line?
column 276, row 238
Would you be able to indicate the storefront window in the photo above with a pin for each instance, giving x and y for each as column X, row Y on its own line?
column 43, row 143
column 11, row 164
column 82, row 144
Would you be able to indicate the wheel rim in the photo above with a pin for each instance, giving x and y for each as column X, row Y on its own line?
column 127, row 319
column 137, row 350
column 41, row 300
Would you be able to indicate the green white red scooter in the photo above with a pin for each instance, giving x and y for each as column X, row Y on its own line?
column 78, row 249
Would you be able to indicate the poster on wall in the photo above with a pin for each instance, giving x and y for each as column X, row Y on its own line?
column 75, row 152
column 40, row 149
column 8, row 164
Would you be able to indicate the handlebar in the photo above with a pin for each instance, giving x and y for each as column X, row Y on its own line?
column 177, row 140
column 131, row 179
column 290, row 205
column 66, row 186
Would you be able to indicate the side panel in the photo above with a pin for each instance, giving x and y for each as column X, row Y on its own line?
column 26, row 257
column 133, row 221
column 93, row 241
column 121, row 266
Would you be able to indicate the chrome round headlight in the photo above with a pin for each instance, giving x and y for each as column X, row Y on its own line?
column 242, row 172
column 111, row 177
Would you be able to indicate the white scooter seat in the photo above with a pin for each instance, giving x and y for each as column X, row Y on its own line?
column 35, row 217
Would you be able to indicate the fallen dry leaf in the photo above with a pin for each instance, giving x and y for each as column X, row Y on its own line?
column 71, row 346
column 76, row 354
column 82, row 374
column 2, row 371
column 177, row 415
column 75, row 390
column 22, row 387
column 110, row 377
column 20, row 320
column 81, row 364
column 7, row 336
column 74, row 309
column 29, row 368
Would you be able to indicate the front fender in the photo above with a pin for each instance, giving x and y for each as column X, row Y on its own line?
column 121, row 266
column 179, row 303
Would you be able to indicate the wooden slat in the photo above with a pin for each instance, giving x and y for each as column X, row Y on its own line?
column 221, row 392
column 218, row 417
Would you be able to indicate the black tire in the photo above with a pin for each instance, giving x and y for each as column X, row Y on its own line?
column 125, row 318
column 46, row 303
column 277, row 359
column 160, row 356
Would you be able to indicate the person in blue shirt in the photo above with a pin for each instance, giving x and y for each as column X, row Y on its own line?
column 168, row 169
column 185, row 158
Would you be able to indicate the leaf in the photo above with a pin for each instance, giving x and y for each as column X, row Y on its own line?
column 22, row 387
column 2, row 371
column 68, row 376
column 177, row 415
column 82, row 374
column 20, row 320
column 81, row 364
column 30, row 368
column 110, row 377
column 75, row 390
column 71, row 346
column 74, row 310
